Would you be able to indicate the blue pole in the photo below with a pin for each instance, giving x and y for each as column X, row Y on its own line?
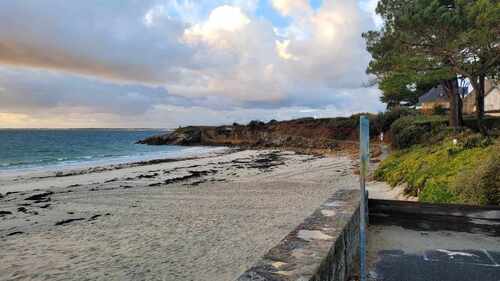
column 364, row 152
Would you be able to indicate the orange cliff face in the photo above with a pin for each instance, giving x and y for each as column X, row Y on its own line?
column 306, row 133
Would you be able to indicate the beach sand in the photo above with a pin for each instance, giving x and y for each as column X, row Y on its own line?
column 200, row 219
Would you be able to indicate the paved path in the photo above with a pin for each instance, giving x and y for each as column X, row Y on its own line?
column 398, row 254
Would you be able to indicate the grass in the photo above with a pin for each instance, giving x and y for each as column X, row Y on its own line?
column 446, row 172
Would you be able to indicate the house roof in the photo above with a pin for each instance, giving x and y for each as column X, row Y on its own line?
column 437, row 94
column 433, row 95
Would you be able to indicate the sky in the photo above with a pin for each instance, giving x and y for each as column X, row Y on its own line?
column 168, row 63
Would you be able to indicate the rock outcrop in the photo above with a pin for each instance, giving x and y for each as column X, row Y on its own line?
column 301, row 133
column 183, row 136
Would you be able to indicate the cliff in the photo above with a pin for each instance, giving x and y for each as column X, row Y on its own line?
column 300, row 133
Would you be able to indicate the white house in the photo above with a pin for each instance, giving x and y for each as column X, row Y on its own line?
column 491, row 99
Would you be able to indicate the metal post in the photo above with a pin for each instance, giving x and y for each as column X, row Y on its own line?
column 364, row 152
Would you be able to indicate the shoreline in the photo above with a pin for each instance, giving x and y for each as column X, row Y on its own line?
column 14, row 177
column 8, row 177
column 116, row 162
column 164, row 219
column 11, row 182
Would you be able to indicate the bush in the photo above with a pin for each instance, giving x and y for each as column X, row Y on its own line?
column 405, row 132
column 409, row 136
column 480, row 184
column 411, row 130
column 344, row 126
column 439, row 110
column 446, row 172
column 476, row 140
column 255, row 124
column 436, row 192
column 385, row 119
column 400, row 124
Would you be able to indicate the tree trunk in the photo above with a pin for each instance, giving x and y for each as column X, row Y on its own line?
column 480, row 105
column 460, row 110
column 451, row 88
column 480, row 98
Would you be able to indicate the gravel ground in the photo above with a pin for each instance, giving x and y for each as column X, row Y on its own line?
column 200, row 219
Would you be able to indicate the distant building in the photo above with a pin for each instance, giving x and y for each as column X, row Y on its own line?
column 435, row 97
column 491, row 99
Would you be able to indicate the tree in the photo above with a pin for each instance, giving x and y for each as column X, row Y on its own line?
column 479, row 46
column 399, row 88
column 404, row 75
column 436, row 40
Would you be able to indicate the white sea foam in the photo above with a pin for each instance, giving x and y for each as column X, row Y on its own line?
column 90, row 161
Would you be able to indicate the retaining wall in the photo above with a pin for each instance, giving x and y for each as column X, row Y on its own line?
column 323, row 247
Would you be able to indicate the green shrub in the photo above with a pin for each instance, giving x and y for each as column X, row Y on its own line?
column 480, row 184
column 405, row 132
column 401, row 123
column 411, row 130
column 387, row 166
column 492, row 123
column 344, row 126
column 255, row 124
column 434, row 122
column 409, row 136
column 476, row 140
column 442, row 172
column 384, row 120
column 436, row 192
column 438, row 110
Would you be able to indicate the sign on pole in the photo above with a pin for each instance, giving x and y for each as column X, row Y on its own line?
column 364, row 154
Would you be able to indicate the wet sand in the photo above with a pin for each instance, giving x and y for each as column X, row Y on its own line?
column 199, row 219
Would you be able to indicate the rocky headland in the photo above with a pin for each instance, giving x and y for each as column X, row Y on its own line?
column 305, row 133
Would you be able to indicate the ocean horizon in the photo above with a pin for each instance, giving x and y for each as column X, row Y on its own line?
column 52, row 149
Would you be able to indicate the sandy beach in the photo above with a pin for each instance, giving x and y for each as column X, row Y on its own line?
column 206, row 218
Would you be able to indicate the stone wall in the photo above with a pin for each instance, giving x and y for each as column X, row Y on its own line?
column 323, row 247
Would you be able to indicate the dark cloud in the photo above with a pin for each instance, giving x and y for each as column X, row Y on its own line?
column 130, row 62
column 31, row 90
column 99, row 38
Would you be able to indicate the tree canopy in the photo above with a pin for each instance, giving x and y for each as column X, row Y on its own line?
column 424, row 42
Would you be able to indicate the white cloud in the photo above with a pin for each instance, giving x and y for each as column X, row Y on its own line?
column 292, row 7
column 201, row 58
column 153, row 14
column 283, row 52
column 222, row 20
column 249, row 6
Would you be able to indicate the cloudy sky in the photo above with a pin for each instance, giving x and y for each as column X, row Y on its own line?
column 164, row 63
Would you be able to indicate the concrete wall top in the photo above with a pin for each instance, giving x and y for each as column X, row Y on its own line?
column 323, row 247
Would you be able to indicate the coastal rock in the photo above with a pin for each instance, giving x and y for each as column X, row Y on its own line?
column 40, row 197
column 182, row 136
column 26, row 211
column 68, row 221
column 307, row 133
column 4, row 213
column 94, row 217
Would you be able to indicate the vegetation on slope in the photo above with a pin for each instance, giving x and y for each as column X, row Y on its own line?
column 442, row 171
column 318, row 133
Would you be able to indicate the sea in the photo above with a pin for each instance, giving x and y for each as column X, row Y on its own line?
column 53, row 149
